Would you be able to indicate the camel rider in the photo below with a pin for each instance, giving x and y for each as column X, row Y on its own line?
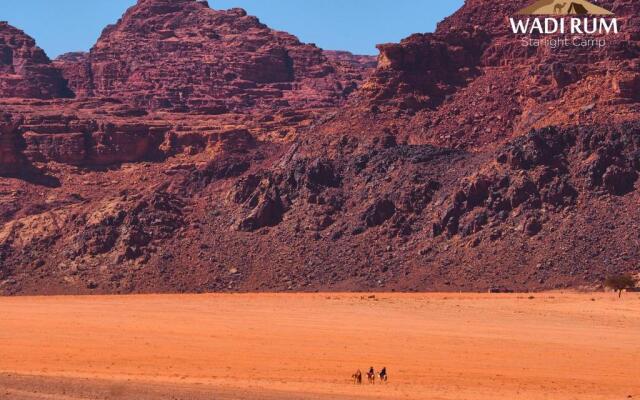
column 383, row 374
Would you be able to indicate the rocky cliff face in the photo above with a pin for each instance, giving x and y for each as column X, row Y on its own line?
column 25, row 70
column 473, row 83
column 207, row 71
column 206, row 152
column 184, row 56
column 76, row 69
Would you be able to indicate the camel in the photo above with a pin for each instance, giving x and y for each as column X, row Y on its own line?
column 371, row 376
column 357, row 377
column 557, row 9
column 383, row 375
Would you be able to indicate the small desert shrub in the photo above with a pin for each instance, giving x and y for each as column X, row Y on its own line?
column 619, row 283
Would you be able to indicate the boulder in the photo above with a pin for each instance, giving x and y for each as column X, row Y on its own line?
column 618, row 180
column 268, row 212
column 379, row 212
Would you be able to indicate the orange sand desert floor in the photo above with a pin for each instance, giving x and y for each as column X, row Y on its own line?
column 306, row 346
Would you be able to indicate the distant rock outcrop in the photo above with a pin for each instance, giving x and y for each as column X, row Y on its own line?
column 181, row 55
column 473, row 82
column 25, row 70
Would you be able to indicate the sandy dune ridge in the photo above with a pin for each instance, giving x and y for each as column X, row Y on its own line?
column 306, row 346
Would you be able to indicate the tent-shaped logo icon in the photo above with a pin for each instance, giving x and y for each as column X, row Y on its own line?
column 564, row 7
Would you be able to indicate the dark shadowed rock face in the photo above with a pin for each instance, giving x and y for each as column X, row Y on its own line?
column 183, row 55
column 76, row 69
column 11, row 146
column 25, row 70
column 379, row 212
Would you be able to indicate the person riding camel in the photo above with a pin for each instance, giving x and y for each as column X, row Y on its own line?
column 383, row 375
column 357, row 377
column 371, row 375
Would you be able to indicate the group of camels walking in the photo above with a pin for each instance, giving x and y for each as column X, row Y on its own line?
column 371, row 376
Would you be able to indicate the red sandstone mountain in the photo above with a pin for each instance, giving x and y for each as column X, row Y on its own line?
column 214, row 71
column 207, row 152
column 25, row 70
column 182, row 55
